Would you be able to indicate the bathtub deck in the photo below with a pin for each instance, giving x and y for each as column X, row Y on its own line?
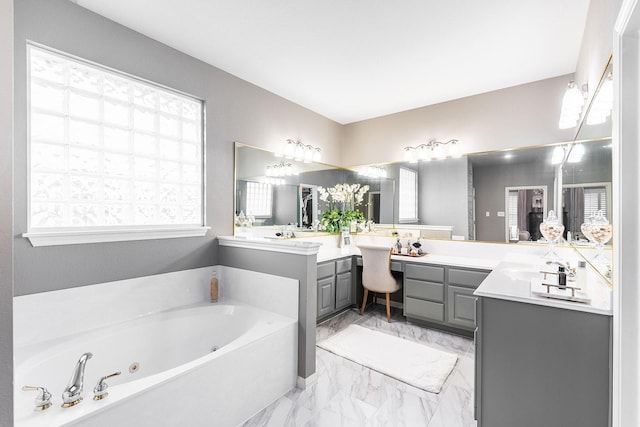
column 350, row 394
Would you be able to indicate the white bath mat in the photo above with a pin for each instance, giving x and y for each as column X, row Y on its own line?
column 410, row 362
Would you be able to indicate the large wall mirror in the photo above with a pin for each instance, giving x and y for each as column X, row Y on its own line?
column 279, row 196
column 500, row 196
column 586, row 186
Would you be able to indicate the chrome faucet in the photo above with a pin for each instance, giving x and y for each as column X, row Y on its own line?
column 72, row 394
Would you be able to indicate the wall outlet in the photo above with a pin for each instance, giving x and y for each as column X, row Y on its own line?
column 500, row 213
column 488, row 214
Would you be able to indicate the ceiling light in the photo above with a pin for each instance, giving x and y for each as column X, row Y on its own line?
column 432, row 150
column 572, row 103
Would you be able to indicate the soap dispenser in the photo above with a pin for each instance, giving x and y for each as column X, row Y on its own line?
column 562, row 277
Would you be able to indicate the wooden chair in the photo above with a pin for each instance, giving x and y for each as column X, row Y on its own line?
column 376, row 273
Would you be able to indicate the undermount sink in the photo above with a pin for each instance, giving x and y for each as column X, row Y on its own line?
column 524, row 274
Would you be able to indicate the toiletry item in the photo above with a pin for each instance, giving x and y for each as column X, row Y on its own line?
column 398, row 246
column 214, row 287
column 581, row 276
column 562, row 277
column 568, row 236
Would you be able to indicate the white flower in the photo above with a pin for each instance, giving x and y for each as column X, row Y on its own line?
column 344, row 193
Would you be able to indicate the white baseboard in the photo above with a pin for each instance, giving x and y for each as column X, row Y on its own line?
column 304, row 383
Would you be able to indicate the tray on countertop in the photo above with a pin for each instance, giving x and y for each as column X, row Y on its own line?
column 540, row 290
column 409, row 255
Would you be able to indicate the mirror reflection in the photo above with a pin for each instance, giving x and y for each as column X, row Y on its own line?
column 586, row 186
column 497, row 197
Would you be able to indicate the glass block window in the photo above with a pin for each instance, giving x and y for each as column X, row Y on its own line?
column 408, row 195
column 108, row 150
column 259, row 199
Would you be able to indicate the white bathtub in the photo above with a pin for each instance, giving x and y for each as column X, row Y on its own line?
column 180, row 381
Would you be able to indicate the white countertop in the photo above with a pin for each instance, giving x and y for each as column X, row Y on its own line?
column 511, row 280
column 328, row 254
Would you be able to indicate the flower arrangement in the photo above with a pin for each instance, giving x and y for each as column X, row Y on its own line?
column 342, row 200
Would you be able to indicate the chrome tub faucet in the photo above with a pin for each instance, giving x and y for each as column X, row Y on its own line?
column 72, row 394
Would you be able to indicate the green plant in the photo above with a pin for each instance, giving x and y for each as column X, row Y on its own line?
column 333, row 219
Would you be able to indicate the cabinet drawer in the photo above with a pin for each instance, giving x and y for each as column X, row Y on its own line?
column 396, row 266
column 471, row 278
column 343, row 265
column 425, row 290
column 326, row 269
column 424, row 272
column 424, row 309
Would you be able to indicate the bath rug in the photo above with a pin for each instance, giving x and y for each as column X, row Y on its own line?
column 407, row 361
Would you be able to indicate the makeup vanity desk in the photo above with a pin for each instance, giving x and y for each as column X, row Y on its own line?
column 437, row 289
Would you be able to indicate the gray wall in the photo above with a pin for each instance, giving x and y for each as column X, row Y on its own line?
column 303, row 268
column 595, row 167
column 519, row 116
column 236, row 110
column 443, row 194
column 490, row 183
column 285, row 204
column 597, row 42
column 6, row 213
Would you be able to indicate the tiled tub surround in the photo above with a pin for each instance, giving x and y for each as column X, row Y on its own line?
column 167, row 325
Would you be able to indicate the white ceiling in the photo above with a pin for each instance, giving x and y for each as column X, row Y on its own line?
column 351, row 60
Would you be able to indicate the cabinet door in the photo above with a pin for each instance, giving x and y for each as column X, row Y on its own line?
column 461, row 307
column 326, row 295
column 343, row 290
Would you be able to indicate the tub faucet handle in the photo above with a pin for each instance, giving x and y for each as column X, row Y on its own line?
column 43, row 399
column 100, row 390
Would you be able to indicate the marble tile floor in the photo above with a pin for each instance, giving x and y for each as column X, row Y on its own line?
column 350, row 395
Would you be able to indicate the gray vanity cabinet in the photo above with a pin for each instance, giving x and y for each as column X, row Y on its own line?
column 326, row 295
column 441, row 294
column 461, row 303
column 335, row 286
column 541, row 366
column 424, row 294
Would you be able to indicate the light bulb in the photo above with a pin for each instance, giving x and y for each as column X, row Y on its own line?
column 558, row 155
column 576, row 153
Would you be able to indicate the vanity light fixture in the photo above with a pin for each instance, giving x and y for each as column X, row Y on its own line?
column 602, row 102
column 432, row 150
column 572, row 103
column 273, row 180
column 373, row 171
column 576, row 153
column 300, row 152
column 280, row 169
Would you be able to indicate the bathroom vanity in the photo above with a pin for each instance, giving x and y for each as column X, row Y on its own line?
column 540, row 362
column 437, row 289
column 335, row 286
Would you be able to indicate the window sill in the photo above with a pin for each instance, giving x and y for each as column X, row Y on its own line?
column 408, row 221
column 56, row 238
